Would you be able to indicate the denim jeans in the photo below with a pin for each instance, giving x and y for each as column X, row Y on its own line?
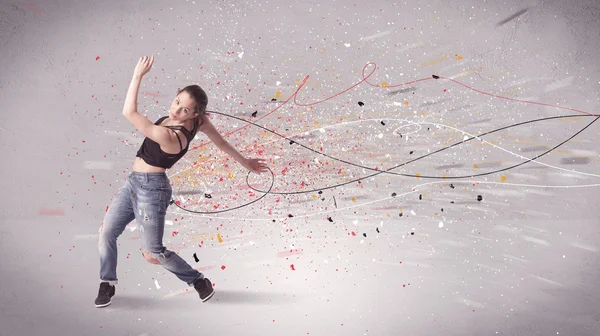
column 145, row 198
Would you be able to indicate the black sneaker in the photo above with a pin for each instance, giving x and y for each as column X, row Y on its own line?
column 105, row 292
column 204, row 288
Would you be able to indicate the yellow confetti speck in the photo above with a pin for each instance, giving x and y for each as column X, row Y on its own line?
column 353, row 199
column 475, row 166
column 278, row 94
column 458, row 57
column 315, row 196
column 219, row 238
column 418, row 175
column 406, row 102
column 384, row 84
column 502, row 178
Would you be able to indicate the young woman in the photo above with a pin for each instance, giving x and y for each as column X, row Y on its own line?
column 147, row 191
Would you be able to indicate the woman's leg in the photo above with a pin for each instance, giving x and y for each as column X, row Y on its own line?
column 152, row 194
column 119, row 214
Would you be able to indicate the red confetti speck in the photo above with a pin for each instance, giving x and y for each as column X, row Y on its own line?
column 353, row 233
column 223, row 267
column 97, row 58
column 292, row 267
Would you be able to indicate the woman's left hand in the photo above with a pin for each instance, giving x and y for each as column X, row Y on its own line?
column 256, row 165
column 143, row 66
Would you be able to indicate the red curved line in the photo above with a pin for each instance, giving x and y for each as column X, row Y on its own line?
column 364, row 79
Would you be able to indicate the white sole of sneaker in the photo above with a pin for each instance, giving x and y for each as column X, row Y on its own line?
column 208, row 297
column 104, row 305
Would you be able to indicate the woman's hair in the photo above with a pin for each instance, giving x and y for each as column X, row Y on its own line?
column 201, row 99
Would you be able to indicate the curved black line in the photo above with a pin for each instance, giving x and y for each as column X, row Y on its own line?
column 387, row 171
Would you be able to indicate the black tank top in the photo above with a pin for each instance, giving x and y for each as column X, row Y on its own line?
column 151, row 153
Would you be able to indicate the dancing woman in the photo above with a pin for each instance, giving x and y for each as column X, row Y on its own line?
column 147, row 191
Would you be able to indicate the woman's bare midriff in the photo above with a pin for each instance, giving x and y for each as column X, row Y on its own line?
column 140, row 166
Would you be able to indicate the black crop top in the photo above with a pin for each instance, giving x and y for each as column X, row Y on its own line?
column 151, row 153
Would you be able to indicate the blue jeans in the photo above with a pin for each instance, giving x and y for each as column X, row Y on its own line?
column 145, row 198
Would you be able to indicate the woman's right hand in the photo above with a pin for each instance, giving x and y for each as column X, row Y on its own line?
column 143, row 66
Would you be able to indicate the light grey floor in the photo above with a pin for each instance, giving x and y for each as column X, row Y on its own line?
column 353, row 260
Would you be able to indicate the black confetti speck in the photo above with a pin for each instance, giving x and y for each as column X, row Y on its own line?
column 365, row 235
column 382, row 123
column 255, row 113
column 393, row 194
column 411, row 152
column 401, row 214
column 412, row 233
column 479, row 198
column 274, row 99
column 377, row 229
column 451, row 185
column 292, row 142
column 330, row 219
column 207, row 196
column 196, row 258
column 361, row 103
column 435, row 77
column 420, row 197
column 290, row 215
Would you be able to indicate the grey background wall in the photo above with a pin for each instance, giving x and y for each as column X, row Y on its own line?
column 523, row 260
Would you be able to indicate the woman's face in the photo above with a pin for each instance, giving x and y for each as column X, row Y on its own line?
column 183, row 107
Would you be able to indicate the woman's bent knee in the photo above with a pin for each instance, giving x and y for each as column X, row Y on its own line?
column 149, row 258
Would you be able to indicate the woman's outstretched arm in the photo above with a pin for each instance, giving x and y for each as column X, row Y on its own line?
column 158, row 134
column 253, row 165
